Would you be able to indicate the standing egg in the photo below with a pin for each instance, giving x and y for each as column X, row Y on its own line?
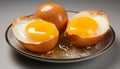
column 53, row 13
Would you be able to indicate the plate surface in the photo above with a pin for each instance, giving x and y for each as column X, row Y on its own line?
column 64, row 52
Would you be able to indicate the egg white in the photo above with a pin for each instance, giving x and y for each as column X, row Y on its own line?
column 102, row 21
column 20, row 33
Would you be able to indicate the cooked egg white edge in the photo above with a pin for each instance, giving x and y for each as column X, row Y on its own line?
column 103, row 24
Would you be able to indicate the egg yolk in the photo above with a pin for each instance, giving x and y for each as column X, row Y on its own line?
column 82, row 26
column 40, row 31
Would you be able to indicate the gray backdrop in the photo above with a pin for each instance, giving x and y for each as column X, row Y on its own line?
column 11, row 9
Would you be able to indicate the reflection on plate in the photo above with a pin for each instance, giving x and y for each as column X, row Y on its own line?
column 64, row 51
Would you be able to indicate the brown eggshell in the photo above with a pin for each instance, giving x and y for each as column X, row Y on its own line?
column 83, row 42
column 42, row 47
column 53, row 13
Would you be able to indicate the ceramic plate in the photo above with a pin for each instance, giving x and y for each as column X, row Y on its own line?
column 64, row 52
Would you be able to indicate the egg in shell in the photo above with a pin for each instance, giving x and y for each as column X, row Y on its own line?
column 87, row 27
column 35, row 34
column 53, row 13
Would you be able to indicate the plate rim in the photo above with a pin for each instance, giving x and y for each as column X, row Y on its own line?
column 59, row 60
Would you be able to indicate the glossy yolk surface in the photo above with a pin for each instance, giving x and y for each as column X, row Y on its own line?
column 40, row 31
column 82, row 26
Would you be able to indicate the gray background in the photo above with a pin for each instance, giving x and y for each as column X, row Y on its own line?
column 11, row 9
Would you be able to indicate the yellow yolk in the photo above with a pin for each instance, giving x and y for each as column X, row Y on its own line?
column 82, row 26
column 40, row 31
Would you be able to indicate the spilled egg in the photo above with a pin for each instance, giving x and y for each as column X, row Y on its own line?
column 35, row 35
column 87, row 27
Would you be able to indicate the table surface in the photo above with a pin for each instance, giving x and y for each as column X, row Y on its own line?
column 14, row 8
